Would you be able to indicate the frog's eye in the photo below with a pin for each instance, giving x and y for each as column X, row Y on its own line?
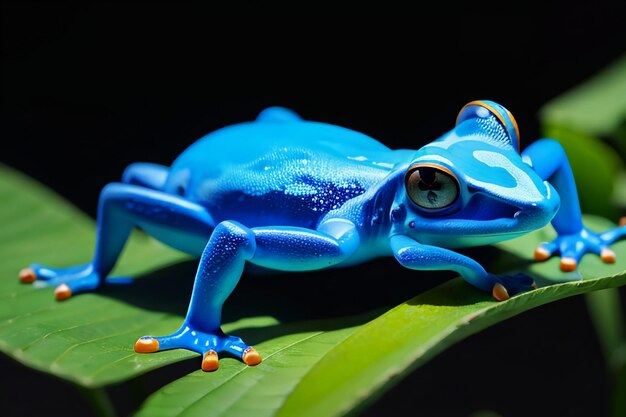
column 431, row 187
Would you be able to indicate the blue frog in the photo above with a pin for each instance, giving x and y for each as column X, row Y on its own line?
column 295, row 195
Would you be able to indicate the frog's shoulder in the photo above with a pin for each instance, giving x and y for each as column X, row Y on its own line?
column 277, row 114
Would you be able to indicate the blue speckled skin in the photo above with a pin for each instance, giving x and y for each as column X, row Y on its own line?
column 296, row 195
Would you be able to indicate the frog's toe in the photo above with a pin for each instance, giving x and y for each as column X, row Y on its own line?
column 251, row 357
column 210, row 361
column 568, row 264
column 506, row 286
column 499, row 292
column 544, row 251
column 44, row 273
column 66, row 285
column 62, row 292
column 146, row 344
column 622, row 221
column 607, row 256
column 572, row 252
column 68, row 281
column 73, row 285
column 28, row 276
column 541, row 254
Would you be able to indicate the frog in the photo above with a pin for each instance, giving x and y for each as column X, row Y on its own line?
column 287, row 194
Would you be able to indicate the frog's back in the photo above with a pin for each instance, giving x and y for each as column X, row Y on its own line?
column 288, row 172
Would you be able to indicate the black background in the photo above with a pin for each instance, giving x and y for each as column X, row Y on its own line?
column 90, row 87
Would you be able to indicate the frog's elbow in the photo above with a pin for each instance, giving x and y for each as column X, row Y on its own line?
column 344, row 232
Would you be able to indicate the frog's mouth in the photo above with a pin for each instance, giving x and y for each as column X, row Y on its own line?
column 482, row 207
column 455, row 233
column 485, row 220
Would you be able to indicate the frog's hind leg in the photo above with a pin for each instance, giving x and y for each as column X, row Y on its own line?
column 232, row 245
column 144, row 174
column 177, row 222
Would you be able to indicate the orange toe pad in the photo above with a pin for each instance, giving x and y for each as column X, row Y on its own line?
column 146, row 345
column 251, row 357
column 499, row 292
column 27, row 276
column 210, row 361
column 568, row 264
column 608, row 256
column 541, row 254
column 62, row 292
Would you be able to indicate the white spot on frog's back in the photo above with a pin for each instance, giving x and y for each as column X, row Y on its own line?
column 383, row 164
column 524, row 188
column 300, row 189
column 361, row 158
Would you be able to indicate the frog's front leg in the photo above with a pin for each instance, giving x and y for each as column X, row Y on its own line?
column 414, row 255
column 547, row 157
column 219, row 271
column 179, row 222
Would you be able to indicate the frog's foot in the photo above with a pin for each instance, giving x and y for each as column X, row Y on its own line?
column 209, row 345
column 68, row 281
column 507, row 286
column 573, row 246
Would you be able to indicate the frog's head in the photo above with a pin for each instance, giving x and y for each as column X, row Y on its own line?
column 471, row 186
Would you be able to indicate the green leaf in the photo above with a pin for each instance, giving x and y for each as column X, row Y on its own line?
column 239, row 390
column 342, row 376
column 322, row 367
column 380, row 353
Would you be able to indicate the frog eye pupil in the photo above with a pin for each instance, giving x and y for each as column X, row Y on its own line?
column 427, row 176
column 431, row 188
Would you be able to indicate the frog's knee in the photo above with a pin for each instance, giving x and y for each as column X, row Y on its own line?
column 236, row 235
